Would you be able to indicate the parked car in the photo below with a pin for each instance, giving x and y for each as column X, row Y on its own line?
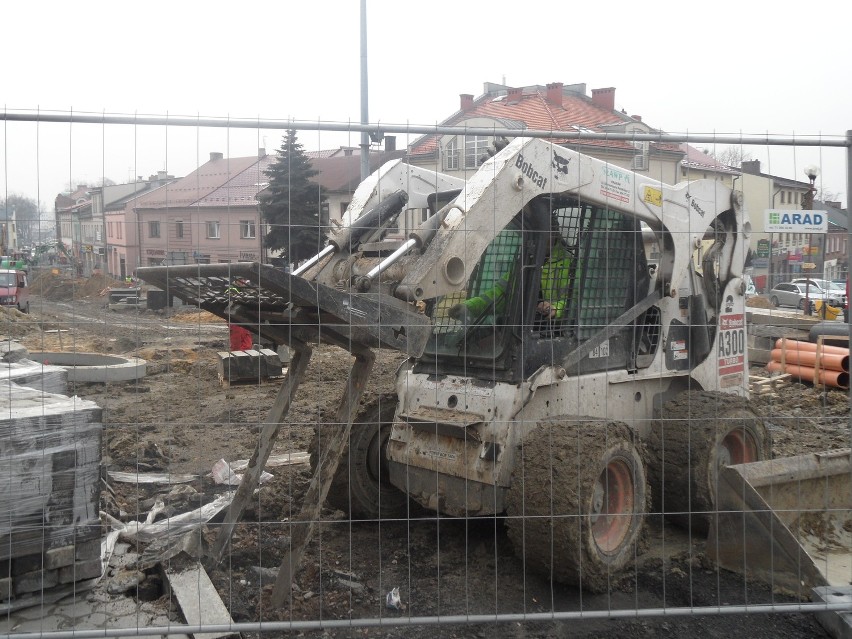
column 14, row 290
column 836, row 294
column 793, row 294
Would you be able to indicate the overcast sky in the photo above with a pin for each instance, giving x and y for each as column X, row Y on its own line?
column 724, row 67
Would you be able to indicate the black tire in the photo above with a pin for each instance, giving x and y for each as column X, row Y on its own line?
column 801, row 305
column 696, row 434
column 774, row 301
column 568, row 467
column 27, row 308
column 360, row 486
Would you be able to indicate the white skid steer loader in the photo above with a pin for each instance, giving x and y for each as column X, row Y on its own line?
column 576, row 346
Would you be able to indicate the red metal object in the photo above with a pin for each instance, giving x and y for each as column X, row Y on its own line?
column 240, row 338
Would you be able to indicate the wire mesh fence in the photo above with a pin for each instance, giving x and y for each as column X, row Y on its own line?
column 529, row 383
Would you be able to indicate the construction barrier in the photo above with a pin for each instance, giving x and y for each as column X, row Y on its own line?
column 816, row 363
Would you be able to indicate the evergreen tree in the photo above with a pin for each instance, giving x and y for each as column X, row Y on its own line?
column 291, row 203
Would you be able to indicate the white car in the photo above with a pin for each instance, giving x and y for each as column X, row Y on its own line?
column 825, row 289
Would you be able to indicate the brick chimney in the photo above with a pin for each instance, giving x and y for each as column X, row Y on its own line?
column 554, row 93
column 513, row 96
column 261, row 153
column 215, row 155
column 750, row 166
column 466, row 100
column 638, row 118
column 604, row 98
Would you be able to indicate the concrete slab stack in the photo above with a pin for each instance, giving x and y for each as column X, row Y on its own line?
column 50, row 454
column 44, row 377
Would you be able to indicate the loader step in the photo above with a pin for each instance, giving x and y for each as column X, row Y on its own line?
column 248, row 367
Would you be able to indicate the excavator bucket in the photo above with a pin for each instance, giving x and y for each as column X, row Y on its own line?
column 288, row 309
column 786, row 521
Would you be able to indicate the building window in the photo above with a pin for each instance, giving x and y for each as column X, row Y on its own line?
column 212, row 230
column 475, row 150
column 153, row 229
column 118, row 227
column 451, row 155
column 179, row 229
column 248, row 231
column 798, row 196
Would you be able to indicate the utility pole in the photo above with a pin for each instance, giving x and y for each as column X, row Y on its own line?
column 365, row 137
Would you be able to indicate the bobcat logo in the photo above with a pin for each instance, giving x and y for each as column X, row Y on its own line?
column 729, row 304
column 560, row 164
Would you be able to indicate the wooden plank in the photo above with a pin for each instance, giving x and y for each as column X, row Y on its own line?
column 320, row 483
column 265, row 442
column 198, row 600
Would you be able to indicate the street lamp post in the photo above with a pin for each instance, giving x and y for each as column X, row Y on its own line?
column 808, row 205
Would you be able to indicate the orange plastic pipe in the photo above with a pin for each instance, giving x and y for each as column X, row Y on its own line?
column 837, row 379
column 796, row 345
column 828, row 361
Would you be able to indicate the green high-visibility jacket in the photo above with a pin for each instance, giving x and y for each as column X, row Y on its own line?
column 554, row 285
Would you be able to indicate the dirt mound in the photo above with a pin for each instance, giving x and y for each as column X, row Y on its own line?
column 196, row 316
column 759, row 302
column 61, row 287
column 16, row 324
column 96, row 285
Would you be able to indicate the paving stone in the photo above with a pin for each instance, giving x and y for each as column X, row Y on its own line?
column 5, row 588
column 26, row 564
column 80, row 571
column 87, row 549
column 36, row 580
column 59, row 557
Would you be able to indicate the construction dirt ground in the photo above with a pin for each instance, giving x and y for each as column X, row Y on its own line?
column 180, row 419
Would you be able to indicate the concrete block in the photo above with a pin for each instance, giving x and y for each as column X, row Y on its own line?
column 36, row 580
column 198, row 600
column 5, row 588
column 26, row 564
column 88, row 569
column 271, row 366
column 59, row 557
column 837, row 623
column 90, row 549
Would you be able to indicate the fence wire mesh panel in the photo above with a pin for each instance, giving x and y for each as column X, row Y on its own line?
column 571, row 381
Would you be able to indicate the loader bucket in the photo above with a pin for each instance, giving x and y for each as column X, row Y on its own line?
column 786, row 521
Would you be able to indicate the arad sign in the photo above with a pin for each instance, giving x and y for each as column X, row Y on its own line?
column 781, row 221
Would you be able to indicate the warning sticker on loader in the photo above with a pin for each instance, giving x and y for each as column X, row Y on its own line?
column 732, row 345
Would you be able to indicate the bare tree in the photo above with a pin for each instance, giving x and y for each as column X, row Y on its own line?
column 824, row 195
column 730, row 155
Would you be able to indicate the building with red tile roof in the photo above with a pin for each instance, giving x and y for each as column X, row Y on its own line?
column 209, row 216
column 555, row 107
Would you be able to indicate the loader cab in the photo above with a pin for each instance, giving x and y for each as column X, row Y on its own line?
column 560, row 272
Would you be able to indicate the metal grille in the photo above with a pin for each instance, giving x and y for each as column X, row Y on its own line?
column 464, row 555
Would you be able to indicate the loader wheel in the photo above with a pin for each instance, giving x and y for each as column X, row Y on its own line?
column 360, row 486
column 698, row 433
column 578, row 500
